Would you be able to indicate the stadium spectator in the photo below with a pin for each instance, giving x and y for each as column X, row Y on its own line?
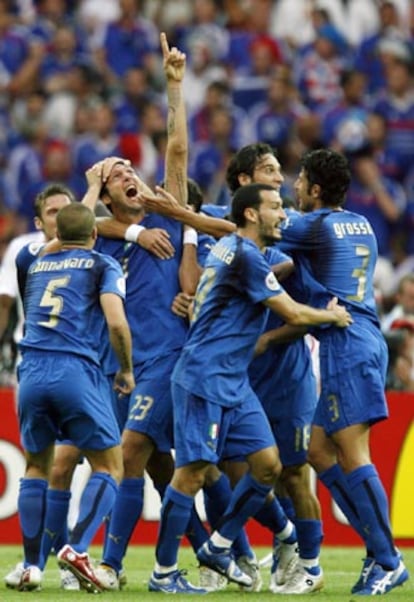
column 403, row 303
column 318, row 71
column 130, row 41
column 209, row 158
column 343, row 123
column 368, row 58
column 395, row 103
column 282, row 120
column 400, row 341
column 379, row 198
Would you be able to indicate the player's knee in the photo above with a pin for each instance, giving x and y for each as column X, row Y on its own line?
column 319, row 459
column 136, row 453
column 268, row 471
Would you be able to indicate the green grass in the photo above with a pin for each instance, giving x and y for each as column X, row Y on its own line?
column 341, row 566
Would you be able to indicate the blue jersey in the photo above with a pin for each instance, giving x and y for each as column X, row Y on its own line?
column 281, row 366
column 228, row 317
column 339, row 250
column 151, row 285
column 61, row 302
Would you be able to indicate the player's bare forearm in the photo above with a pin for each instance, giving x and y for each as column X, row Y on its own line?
column 166, row 204
column 120, row 337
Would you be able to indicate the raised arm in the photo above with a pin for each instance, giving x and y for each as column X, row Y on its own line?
column 176, row 157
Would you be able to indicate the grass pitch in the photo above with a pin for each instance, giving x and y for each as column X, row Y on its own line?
column 341, row 567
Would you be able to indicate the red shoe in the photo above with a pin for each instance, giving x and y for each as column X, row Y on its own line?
column 80, row 566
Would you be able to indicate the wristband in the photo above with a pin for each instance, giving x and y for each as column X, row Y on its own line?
column 190, row 237
column 132, row 232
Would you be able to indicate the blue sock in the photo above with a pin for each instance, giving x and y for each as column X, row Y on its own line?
column 57, row 507
column 62, row 538
column 272, row 516
column 309, row 533
column 96, row 502
column 175, row 514
column 31, row 505
column 335, row 480
column 216, row 499
column 196, row 532
column 247, row 498
column 125, row 514
column 370, row 498
column 288, row 508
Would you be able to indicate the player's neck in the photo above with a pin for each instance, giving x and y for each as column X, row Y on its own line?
column 253, row 235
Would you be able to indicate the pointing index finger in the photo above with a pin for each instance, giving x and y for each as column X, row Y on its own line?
column 164, row 45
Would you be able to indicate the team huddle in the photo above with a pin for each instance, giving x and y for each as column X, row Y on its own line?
column 158, row 328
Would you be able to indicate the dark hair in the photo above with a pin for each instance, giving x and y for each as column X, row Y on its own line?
column 330, row 171
column 245, row 197
column 195, row 195
column 51, row 190
column 75, row 223
column 245, row 161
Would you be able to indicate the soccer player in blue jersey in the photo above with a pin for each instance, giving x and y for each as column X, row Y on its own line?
column 340, row 250
column 68, row 296
column 46, row 206
column 216, row 414
column 158, row 334
column 284, row 382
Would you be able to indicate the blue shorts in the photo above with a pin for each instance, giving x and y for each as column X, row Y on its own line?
column 289, row 408
column 353, row 363
column 210, row 432
column 64, row 396
column 150, row 404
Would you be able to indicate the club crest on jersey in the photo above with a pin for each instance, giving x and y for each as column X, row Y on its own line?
column 121, row 284
column 271, row 282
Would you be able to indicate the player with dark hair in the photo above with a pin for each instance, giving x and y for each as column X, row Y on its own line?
column 218, row 415
column 338, row 248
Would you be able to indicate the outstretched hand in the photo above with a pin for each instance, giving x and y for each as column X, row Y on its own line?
column 161, row 202
column 173, row 60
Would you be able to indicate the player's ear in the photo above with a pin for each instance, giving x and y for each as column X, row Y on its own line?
column 250, row 215
column 244, row 179
column 38, row 223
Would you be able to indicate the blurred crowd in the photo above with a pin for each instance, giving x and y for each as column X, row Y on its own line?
column 81, row 80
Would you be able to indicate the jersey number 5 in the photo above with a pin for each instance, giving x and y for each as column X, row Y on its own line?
column 55, row 302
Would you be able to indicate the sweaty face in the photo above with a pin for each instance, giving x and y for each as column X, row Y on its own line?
column 270, row 216
column 47, row 220
column 121, row 190
column 268, row 171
